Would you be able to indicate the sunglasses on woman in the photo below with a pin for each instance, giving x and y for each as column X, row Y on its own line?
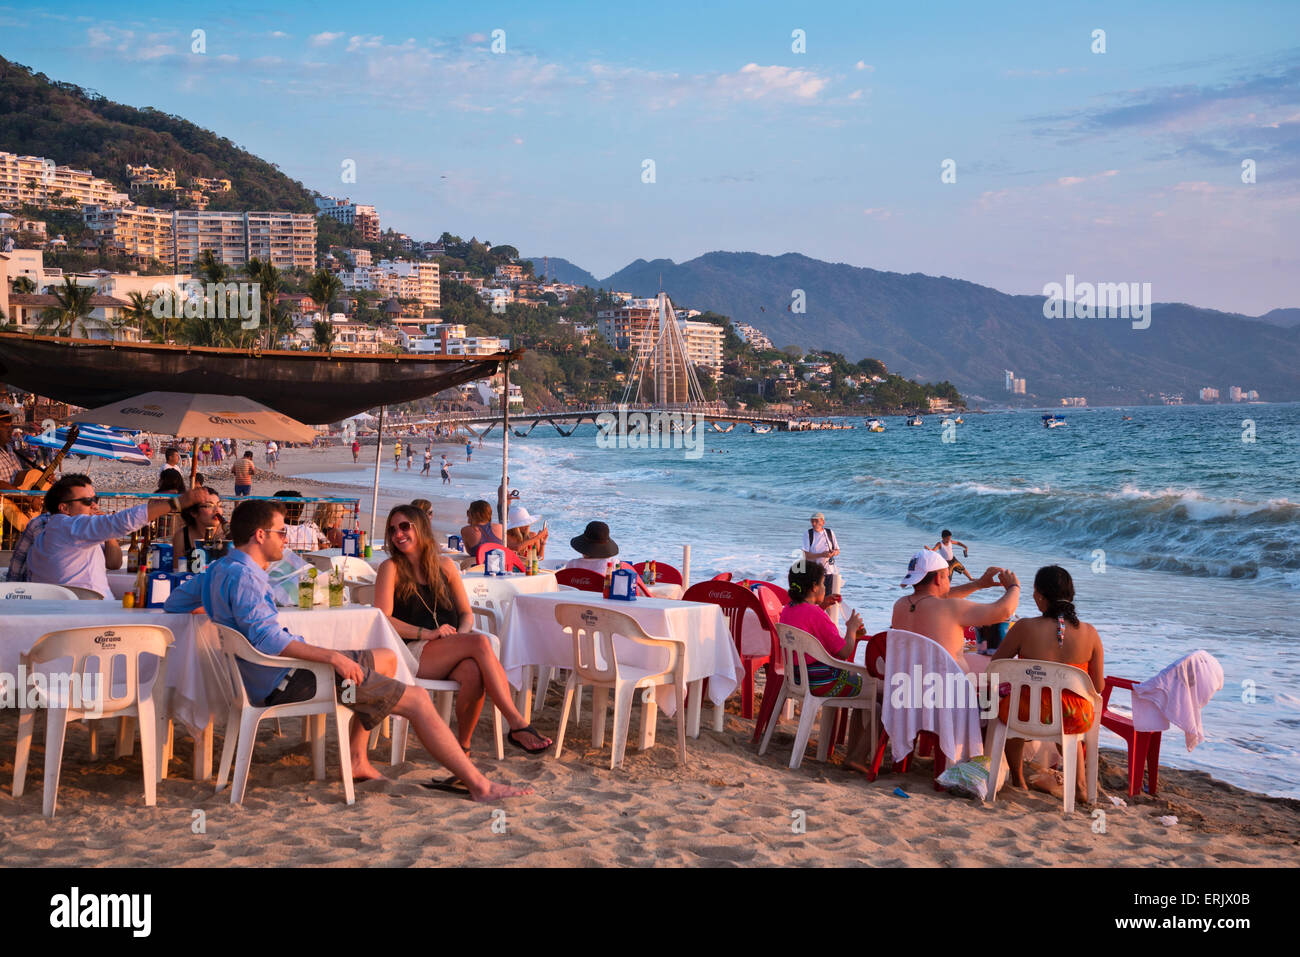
column 403, row 527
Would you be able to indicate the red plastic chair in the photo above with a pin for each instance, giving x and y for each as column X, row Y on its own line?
column 927, row 742
column 722, row 577
column 1143, row 746
column 780, row 592
column 773, row 677
column 734, row 602
column 513, row 563
column 664, row 573
column 581, row 579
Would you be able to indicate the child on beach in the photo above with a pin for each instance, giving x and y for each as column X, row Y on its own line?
column 446, row 476
column 428, row 461
column 944, row 547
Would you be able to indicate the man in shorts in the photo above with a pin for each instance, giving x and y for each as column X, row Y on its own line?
column 236, row 592
column 944, row 547
column 243, row 471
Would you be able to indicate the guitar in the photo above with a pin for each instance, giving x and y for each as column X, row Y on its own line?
column 38, row 480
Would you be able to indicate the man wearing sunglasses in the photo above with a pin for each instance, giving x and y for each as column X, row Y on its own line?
column 78, row 543
column 236, row 592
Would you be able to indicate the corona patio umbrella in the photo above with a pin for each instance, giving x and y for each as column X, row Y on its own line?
column 199, row 414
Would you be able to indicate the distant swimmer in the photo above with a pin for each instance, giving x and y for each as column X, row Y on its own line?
column 944, row 548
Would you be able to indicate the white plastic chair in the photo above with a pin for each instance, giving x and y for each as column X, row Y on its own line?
column 85, row 594
column 36, row 591
column 593, row 631
column 241, row 725
column 361, row 593
column 795, row 643
column 100, row 648
column 487, row 622
column 1055, row 677
column 354, row 569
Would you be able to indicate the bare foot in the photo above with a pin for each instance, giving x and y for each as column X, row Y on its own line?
column 364, row 771
column 498, row 792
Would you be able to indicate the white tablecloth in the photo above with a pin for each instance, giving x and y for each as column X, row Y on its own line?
column 198, row 688
column 499, row 591
column 534, row 637
column 665, row 590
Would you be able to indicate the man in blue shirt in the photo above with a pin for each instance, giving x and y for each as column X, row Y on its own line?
column 235, row 591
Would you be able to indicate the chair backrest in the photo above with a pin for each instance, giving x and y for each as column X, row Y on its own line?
column 580, row 578
column 875, row 659
column 36, row 591
column 361, row 593
column 95, row 653
column 1036, row 676
column 357, row 569
column 513, row 563
column 84, row 594
column 665, row 574
column 780, row 592
column 795, row 643
column 721, row 577
column 734, row 600
column 593, row 631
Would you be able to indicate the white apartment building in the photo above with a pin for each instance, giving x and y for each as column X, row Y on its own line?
column 287, row 240
column 418, row 280
column 627, row 327
column 364, row 218
column 1209, row 394
column 703, row 344
column 140, row 232
column 10, row 224
column 751, row 335
column 38, row 181
column 361, row 258
column 1235, row 393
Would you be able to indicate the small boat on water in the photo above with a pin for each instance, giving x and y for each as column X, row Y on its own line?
column 1128, row 418
column 760, row 429
column 1051, row 421
column 960, row 420
column 914, row 420
column 947, row 420
column 875, row 425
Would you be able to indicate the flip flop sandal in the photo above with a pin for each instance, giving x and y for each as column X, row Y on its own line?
column 452, row 785
column 530, row 730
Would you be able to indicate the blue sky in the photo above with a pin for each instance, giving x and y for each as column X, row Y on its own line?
column 1115, row 166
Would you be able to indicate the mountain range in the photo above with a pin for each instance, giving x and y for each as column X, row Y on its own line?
column 937, row 328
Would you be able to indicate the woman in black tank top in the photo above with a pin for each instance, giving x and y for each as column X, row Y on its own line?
column 424, row 598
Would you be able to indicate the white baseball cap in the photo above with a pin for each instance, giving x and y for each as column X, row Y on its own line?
column 518, row 517
column 922, row 563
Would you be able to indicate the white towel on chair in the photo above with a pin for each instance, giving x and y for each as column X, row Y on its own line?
column 1176, row 696
column 909, row 656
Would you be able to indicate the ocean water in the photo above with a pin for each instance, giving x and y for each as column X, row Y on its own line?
column 1179, row 534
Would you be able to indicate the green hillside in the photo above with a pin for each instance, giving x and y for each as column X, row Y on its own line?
column 80, row 128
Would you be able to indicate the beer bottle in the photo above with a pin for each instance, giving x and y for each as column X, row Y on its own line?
column 133, row 555
column 609, row 577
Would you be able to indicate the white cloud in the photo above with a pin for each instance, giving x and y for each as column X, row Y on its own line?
column 863, row 65
column 279, row 35
column 324, row 39
column 754, row 82
column 1071, row 180
column 476, row 38
column 364, row 43
column 855, row 95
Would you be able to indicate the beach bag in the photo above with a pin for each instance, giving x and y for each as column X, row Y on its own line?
column 969, row 778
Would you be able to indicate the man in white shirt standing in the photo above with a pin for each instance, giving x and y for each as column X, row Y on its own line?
column 819, row 546
column 173, row 463
column 79, row 542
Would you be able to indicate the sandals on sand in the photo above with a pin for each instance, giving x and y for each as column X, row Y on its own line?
column 528, row 730
column 452, row 785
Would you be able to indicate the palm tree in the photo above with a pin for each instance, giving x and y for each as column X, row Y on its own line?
column 139, row 312
column 23, row 285
column 323, row 333
column 210, row 268
column 269, row 283
column 325, row 288
column 72, row 309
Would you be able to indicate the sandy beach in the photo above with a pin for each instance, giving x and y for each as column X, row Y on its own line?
column 727, row 806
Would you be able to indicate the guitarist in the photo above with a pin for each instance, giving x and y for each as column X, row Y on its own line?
column 11, row 468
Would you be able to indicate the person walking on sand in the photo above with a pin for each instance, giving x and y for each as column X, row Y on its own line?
column 410, row 454
column 944, row 547
column 397, row 455
column 469, row 450
column 356, row 451
column 446, row 476
column 428, row 461
column 243, row 471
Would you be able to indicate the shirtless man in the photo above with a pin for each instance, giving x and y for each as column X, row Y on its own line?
column 942, row 613
column 944, row 547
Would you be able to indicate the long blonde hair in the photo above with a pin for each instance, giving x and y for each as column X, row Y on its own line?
column 428, row 556
column 328, row 515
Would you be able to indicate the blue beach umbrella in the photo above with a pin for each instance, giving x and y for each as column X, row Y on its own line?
column 96, row 440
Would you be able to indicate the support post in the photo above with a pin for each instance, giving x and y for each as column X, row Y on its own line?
column 503, row 496
column 374, row 491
